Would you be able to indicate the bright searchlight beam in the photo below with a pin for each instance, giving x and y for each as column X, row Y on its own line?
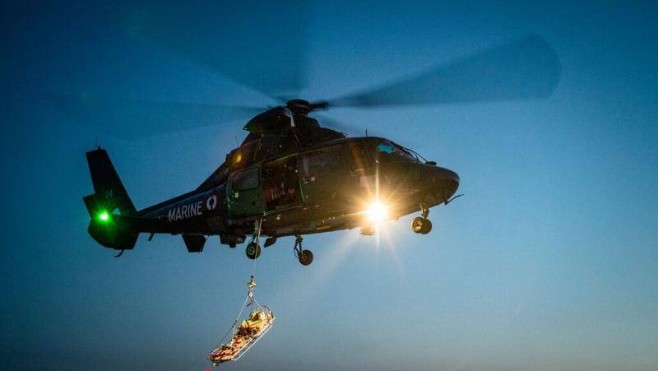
column 376, row 212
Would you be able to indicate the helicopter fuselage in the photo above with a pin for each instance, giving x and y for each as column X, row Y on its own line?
column 315, row 189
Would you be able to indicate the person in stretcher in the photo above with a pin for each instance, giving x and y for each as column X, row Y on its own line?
column 244, row 335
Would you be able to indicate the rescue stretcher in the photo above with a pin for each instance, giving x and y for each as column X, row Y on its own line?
column 245, row 333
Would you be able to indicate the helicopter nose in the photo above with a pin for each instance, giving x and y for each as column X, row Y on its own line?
column 443, row 182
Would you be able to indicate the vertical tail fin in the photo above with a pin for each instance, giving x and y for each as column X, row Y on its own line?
column 107, row 184
column 109, row 206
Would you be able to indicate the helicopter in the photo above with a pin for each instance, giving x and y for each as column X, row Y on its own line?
column 289, row 177
column 292, row 176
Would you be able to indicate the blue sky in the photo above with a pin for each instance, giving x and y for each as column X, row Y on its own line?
column 548, row 263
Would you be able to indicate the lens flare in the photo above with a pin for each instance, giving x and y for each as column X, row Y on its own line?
column 377, row 212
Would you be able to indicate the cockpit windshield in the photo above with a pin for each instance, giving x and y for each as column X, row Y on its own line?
column 389, row 151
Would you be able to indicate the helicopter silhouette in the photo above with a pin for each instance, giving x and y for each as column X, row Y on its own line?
column 291, row 176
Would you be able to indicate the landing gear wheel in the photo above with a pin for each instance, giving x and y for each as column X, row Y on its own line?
column 253, row 250
column 306, row 257
column 421, row 225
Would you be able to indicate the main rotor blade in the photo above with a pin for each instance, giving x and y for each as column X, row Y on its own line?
column 335, row 124
column 527, row 68
column 259, row 44
column 129, row 119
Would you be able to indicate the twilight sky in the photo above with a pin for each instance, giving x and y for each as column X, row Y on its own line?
column 550, row 261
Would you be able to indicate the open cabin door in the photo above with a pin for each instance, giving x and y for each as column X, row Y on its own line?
column 281, row 189
column 245, row 192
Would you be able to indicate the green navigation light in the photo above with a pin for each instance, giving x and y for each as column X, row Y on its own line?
column 104, row 216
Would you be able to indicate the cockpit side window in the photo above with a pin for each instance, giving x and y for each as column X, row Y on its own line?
column 325, row 160
column 246, row 180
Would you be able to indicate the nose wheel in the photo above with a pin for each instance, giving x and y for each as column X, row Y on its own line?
column 305, row 257
column 421, row 224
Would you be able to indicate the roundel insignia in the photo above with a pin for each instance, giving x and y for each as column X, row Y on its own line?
column 211, row 202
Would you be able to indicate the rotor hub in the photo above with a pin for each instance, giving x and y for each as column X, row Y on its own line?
column 303, row 107
column 299, row 106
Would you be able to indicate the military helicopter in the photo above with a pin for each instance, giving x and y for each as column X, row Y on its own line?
column 291, row 176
